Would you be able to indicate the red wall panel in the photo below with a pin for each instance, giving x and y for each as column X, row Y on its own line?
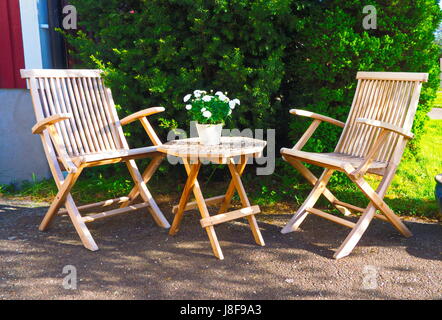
column 11, row 45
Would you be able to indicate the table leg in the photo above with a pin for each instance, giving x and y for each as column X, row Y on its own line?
column 236, row 179
column 202, row 207
column 231, row 189
column 192, row 172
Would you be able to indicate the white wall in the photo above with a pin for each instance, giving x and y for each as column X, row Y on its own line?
column 31, row 34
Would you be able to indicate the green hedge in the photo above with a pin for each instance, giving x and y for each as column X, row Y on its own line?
column 272, row 55
column 335, row 47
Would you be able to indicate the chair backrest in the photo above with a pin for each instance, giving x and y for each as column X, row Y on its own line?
column 391, row 97
column 94, row 126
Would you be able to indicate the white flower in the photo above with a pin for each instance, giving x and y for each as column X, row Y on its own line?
column 188, row 106
column 207, row 98
column 203, row 109
column 207, row 114
column 237, row 101
column 233, row 103
column 187, row 97
column 197, row 93
column 222, row 97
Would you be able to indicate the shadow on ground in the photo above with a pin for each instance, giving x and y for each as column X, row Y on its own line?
column 138, row 260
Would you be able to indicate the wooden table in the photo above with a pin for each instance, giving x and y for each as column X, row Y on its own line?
column 193, row 154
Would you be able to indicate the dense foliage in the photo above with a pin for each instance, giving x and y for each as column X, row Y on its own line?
column 272, row 55
column 336, row 46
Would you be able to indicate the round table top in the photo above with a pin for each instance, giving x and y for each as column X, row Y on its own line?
column 228, row 148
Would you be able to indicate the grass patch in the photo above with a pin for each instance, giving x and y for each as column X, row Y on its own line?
column 438, row 100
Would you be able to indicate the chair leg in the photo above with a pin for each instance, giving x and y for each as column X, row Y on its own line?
column 146, row 195
column 380, row 204
column 147, row 175
column 64, row 190
column 80, row 226
column 313, row 197
column 356, row 233
column 361, row 226
column 310, row 177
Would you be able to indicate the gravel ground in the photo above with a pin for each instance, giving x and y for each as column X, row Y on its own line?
column 138, row 260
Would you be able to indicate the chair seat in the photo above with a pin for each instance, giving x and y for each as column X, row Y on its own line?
column 334, row 159
column 116, row 154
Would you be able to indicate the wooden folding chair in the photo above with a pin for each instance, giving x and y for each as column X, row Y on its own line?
column 373, row 141
column 79, row 128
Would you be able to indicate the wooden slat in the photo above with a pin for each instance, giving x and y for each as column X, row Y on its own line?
column 61, row 73
column 101, row 127
column 232, row 215
column 104, row 203
column 373, row 133
column 72, row 102
column 111, row 112
column 368, row 112
column 351, row 134
column 56, row 108
column 94, row 128
column 194, row 205
column 331, row 217
column 110, row 213
column 402, row 76
column 102, row 112
column 73, row 123
column 52, row 110
column 72, row 133
column 82, row 112
column 349, row 206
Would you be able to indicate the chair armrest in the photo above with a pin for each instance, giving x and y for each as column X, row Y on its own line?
column 141, row 114
column 305, row 113
column 49, row 124
column 386, row 126
column 43, row 124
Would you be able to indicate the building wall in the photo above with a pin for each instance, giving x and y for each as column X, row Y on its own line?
column 21, row 152
column 11, row 45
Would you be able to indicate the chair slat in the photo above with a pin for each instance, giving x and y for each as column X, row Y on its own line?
column 94, row 126
column 77, row 132
column 63, row 107
column 90, row 116
column 107, row 136
column 83, row 109
column 390, row 98
column 67, row 135
column 55, row 109
column 78, row 116
column 112, row 113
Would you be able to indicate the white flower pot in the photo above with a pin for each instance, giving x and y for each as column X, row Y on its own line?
column 209, row 134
